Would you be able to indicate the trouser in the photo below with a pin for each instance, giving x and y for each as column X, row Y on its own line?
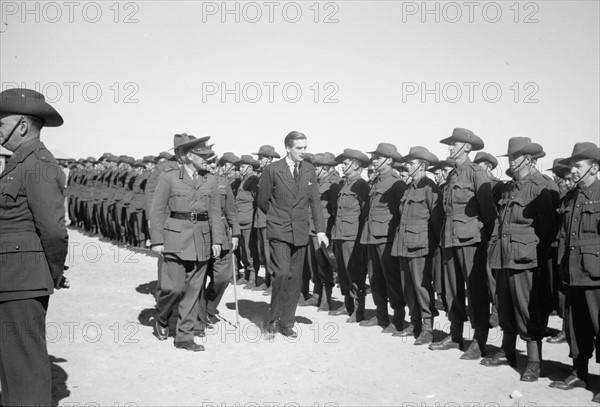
column 520, row 306
column 556, row 286
column 386, row 281
column 248, row 255
column 438, row 272
column 24, row 363
column 465, row 276
column 220, row 271
column 135, row 225
column 582, row 322
column 183, row 281
column 287, row 262
column 317, row 268
column 263, row 246
column 351, row 273
column 418, row 287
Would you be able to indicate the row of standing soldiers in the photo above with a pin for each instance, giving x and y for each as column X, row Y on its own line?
column 516, row 250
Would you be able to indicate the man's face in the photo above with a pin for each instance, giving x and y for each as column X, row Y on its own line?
column 264, row 161
column 412, row 166
column 583, row 170
column 569, row 180
column 297, row 151
column 245, row 169
column 197, row 161
column 517, row 162
column 379, row 162
column 458, row 150
column 347, row 166
column 7, row 125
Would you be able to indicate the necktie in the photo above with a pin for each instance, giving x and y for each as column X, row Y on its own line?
column 296, row 172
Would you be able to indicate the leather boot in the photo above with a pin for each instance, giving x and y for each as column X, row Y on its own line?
column 426, row 335
column 452, row 341
column 359, row 311
column 577, row 379
column 532, row 371
column 326, row 300
column 345, row 309
column 312, row 301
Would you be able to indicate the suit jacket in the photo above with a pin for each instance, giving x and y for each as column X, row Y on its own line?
column 177, row 192
column 286, row 202
column 33, row 236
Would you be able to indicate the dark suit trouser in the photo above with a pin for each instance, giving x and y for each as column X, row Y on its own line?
column 263, row 245
column 24, row 362
column 320, row 269
column 418, row 287
column 181, row 281
column 350, row 261
column 583, row 322
column 221, row 272
column 520, row 307
column 466, row 265
column 248, row 255
column 556, row 287
column 385, row 280
column 287, row 261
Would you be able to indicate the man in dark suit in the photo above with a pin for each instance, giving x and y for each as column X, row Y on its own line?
column 33, row 246
column 287, row 188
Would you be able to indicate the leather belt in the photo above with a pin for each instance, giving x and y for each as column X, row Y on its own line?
column 191, row 216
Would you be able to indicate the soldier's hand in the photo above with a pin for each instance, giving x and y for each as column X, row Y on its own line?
column 158, row 249
column 63, row 282
column 216, row 250
column 235, row 241
column 322, row 239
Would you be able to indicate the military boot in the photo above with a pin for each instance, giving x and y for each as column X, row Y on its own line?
column 359, row 311
column 426, row 335
column 532, row 371
column 345, row 309
column 326, row 300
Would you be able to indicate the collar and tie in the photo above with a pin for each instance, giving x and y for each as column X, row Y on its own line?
column 295, row 172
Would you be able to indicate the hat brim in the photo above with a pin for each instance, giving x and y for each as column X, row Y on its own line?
column 41, row 110
column 363, row 163
column 475, row 144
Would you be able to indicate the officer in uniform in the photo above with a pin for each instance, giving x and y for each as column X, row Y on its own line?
column 526, row 230
column 489, row 163
column 579, row 256
column 351, row 207
column 416, row 240
column 187, row 238
column 220, row 268
column 470, row 216
column 265, row 155
column 316, row 259
column 378, row 235
column 563, row 180
column 33, row 246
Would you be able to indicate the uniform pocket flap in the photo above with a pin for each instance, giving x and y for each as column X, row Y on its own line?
column 594, row 250
column 417, row 228
column 174, row 225
column 524, row 239
column 26, row 241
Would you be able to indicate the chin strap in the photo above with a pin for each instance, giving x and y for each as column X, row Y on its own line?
column 12, row 131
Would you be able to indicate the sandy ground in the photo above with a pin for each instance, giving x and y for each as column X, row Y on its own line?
column 103, row 351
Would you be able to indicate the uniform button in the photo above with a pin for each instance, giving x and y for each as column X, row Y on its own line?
column 503, row 235
column 572, row 248
column 573, row 233
column 577, row 205
column 17, row 247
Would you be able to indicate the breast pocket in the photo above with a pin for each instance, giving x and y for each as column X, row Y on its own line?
column 462, row 193
column 590, row 216
column 524, row 248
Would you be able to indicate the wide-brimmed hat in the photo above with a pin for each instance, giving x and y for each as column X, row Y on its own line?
column 248, row 159
column 90, row 160
column 30, row 103
column 139, row 163
column 309, row 157
column 228, row 157
column 482, row 156
column 419, row 153
column 522, row 146
column 355, row 155
column 558, row 168
column 583, row 151
column 324, row 159
column 104, row 156
column 149, row 159
column 448, row 162
column 267, row 151
column 164, row 154
column 464, row 136
column 386, row 150
column 126, row 159
column 184, row 143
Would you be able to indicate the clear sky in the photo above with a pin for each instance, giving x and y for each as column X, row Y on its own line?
column 127, row 76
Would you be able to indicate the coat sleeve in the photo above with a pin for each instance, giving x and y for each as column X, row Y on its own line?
column 230, row 212
column 158, row 209
column 265, row 188
column 217, row 228
column 485, row 198
column 44, row 189
column 314, row 200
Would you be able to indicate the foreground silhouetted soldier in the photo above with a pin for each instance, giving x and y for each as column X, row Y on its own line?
column 33, row 246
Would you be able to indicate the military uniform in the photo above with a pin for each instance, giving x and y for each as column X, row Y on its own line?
column 416, row 240
column 33, row 249
column 579, row 256
column 378, row 235
column 187, row 232
column 245, row 202
column 526, row 230
column 351, row 206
